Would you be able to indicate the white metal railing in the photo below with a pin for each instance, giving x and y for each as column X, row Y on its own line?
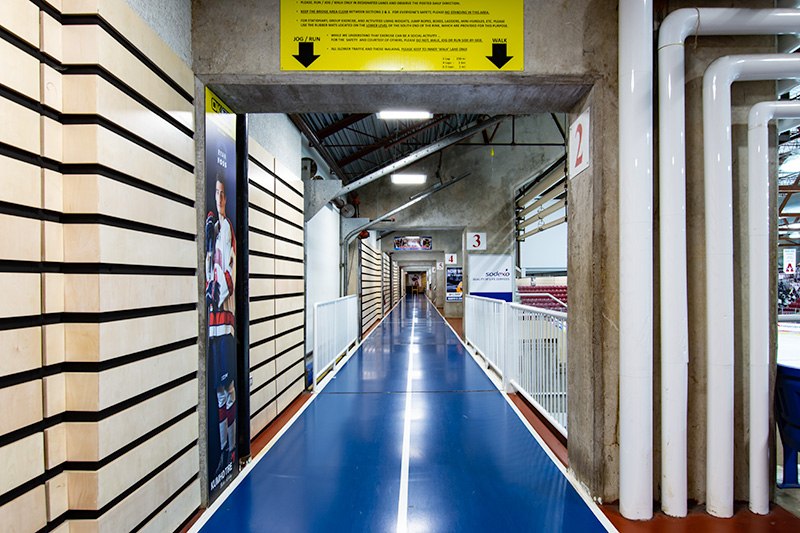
column 335, row 329
column 527, row 347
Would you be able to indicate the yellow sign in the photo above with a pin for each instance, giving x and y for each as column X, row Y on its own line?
column 220, row 114
column 407, row 35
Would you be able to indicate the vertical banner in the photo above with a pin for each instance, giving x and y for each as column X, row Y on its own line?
column 455, row 278
column 220, row 298
column 491, row 276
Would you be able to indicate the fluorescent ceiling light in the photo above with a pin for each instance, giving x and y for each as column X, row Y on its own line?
column 396, row 115
column 794, row 226
column 795, row 235
column 409, row 179
column 791, row 165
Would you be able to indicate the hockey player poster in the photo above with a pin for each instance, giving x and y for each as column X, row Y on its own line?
column 220, row 282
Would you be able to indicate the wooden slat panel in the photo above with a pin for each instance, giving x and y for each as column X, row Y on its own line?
column 22, row 406
column 260, row 198
column 264, row 417
column 97, row 194
column 57, row 497
column 92, row 441
column 283, row 172
column 285, row 305
column 55, row 445
column 262, row 352
column 289, row 286
column 261, row 331
column 261, row 155
column 93, row 293
column 261, row 287
column 91, row 45
column 53, row 190
column 262, row 243
column 88, row 143
column 289, row 268
column 176, row 512
column 288, row 249
column 52, row 139
column 84, row 243
column 20, row 183
column 21, row 126
column 286, row 360
column 21, row 18
column 19, row 70
column 87, row 94
column 25, row 513
column 51, row 93
column 91, row 490
column 285, row 342
column 285, row 399
column 262, row 397
column 287, row 230
column 135, row 30
column 55, row 395
column 22, row 294
column 20, row 239
column 290, row 214
column 261, row 309
column 289, row 322
column 260, row 376
column 108, row 340
column 22, row 461
column 261, row 221
column 52, row 41
column 22, row 350
column 261, row 265
column 91, row 391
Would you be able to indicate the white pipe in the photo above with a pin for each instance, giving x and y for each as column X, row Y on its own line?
column 759, row 290
column 636, row 264
column 672, row 205
column 719, row 259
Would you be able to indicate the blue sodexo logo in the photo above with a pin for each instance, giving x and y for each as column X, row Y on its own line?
column 498, row 273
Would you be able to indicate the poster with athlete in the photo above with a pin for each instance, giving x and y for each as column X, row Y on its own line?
column 220, row 300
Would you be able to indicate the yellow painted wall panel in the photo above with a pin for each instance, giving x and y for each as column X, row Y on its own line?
column 88, row 94
column 101, row 342
column 19, row 70
column 22, row 406
column 260, row 154
column 91, row 45
column 25, row 513
column 261, row 287
column 22, row 294
column 21, row 238
column 20, row 183
column 261, row 265
column 89, row 243
column 123, row 19
column 262, row 243
column 22, row 461
column 21, row 17
column 97, row 194
column 52, row 87
column 262, row 352
column 93, row 293
column 22, row 350
column 287, row 230
column 52, row 41
column 89, row 143
column 20, row 126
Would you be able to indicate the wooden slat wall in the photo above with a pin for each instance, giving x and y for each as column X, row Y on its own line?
column 386, row 282
column 395, row 282
column 277, row 305
column 370, row 286
column 98, row 371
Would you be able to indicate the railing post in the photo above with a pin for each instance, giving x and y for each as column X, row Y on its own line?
column 315, row 352
column 504, row 343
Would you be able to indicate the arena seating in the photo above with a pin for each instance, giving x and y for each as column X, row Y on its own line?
column 537, row 296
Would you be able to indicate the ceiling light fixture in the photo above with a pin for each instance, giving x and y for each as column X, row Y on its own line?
column 791, row 165
column 399, row 115
column 795, row 235
column 409, row 179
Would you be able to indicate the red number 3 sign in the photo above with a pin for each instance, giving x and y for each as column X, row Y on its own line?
column 476, row 241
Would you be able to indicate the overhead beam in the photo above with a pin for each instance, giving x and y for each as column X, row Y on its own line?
column 301, row 125
column 340, row 125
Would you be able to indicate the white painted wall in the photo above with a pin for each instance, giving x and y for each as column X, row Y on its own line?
column 547, row 249
column 322, row 264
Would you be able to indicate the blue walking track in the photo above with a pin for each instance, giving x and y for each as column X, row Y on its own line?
column 472, row 463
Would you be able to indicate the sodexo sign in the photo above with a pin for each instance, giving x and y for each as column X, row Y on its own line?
column 490, row 276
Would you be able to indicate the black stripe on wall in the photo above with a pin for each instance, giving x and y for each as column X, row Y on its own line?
column 275, row 399
column 261, row 166
column 92, row 318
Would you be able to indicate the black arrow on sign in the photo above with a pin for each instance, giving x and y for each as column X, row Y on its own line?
column 499, row 55
column 305, row 54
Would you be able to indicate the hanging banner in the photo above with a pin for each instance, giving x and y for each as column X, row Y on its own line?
column 491, row 276
column 402, row 35
column 413, row 243
column 455, row 278
column 220, row 280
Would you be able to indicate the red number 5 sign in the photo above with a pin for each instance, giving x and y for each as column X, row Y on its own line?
column 476, row 241
column 579, row 145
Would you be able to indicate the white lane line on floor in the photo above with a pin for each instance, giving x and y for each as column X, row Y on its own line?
column 402, row 505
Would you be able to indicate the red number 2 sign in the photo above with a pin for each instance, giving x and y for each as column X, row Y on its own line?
column 579, row 144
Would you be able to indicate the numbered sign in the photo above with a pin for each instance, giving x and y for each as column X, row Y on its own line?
column 440, row 265
column 450, row 259
column 579, row 145
column 789, row 260
column 476, row 241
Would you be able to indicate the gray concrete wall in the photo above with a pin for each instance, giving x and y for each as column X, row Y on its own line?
column 171, row 20
column 276, row 133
